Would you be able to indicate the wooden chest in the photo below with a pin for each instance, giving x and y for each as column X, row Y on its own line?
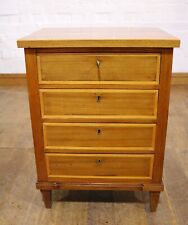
column 99, row 106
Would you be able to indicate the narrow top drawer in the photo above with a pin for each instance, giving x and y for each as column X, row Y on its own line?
column 62, row 67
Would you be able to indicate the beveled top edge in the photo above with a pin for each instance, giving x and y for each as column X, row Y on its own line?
column 99, row 37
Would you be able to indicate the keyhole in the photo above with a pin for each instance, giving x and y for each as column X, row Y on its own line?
column 98, row 131
column 98, row 161
column 98, row 98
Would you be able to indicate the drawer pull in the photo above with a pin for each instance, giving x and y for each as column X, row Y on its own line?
column 98, row 62
column 98, row 161
column 98, row 131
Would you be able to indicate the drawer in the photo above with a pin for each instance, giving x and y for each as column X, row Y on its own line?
column 58, row 67
column 92, row 104
column 98, row 136
column 99, row 166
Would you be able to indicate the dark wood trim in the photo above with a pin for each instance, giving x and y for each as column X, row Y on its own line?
column 36, row 121
column 99, row 186
column 99, row 50
column 162, row 118
column 47, row 198
column 154, row 200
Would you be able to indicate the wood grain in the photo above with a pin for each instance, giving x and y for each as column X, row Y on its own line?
column 34, row 102
column 74, row 104
column 101, row 85
column 59, row 67
column 163, row 106
column 99, row 37
column 96, row 136
column 17, row 172
column 81, row 152
column 99, row 167
column 154, row 199
column 47, row 198
column 82, row 185
column 19, row 79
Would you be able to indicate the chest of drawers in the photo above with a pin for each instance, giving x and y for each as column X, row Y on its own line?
column 99, row 106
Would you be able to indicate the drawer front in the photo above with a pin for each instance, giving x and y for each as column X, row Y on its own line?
column 98, row 136
column 59, row 67
column 99, row 166
column 135, row 104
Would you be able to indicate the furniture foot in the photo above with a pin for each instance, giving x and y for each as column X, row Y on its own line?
column 154, row 200
column 47, row 198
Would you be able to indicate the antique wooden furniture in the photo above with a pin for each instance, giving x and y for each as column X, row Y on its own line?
column 99, row 106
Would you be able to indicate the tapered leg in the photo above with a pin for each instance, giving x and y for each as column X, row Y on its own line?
column 47, row 198
column 154, row 200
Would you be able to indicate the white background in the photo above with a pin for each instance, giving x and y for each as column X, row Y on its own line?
column 21, row 17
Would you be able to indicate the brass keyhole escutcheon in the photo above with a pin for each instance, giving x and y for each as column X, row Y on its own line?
column 98, row 62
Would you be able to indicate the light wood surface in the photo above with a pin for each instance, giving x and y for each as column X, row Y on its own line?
column 78, row 104
column 99, row 37
column 58, row 67
column 66, row 67
column 163, row 107
column 20, row 199
column 36, row 121
column 99, row 167
column 87, row 136
column 102, row 84
column 19, row 79
column 87, row 64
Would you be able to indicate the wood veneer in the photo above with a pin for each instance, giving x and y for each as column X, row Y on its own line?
column 108, row 130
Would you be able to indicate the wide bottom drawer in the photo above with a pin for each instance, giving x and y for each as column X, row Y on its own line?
column 99, row 167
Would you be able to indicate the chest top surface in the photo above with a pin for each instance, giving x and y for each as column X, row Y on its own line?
column 99, row 37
